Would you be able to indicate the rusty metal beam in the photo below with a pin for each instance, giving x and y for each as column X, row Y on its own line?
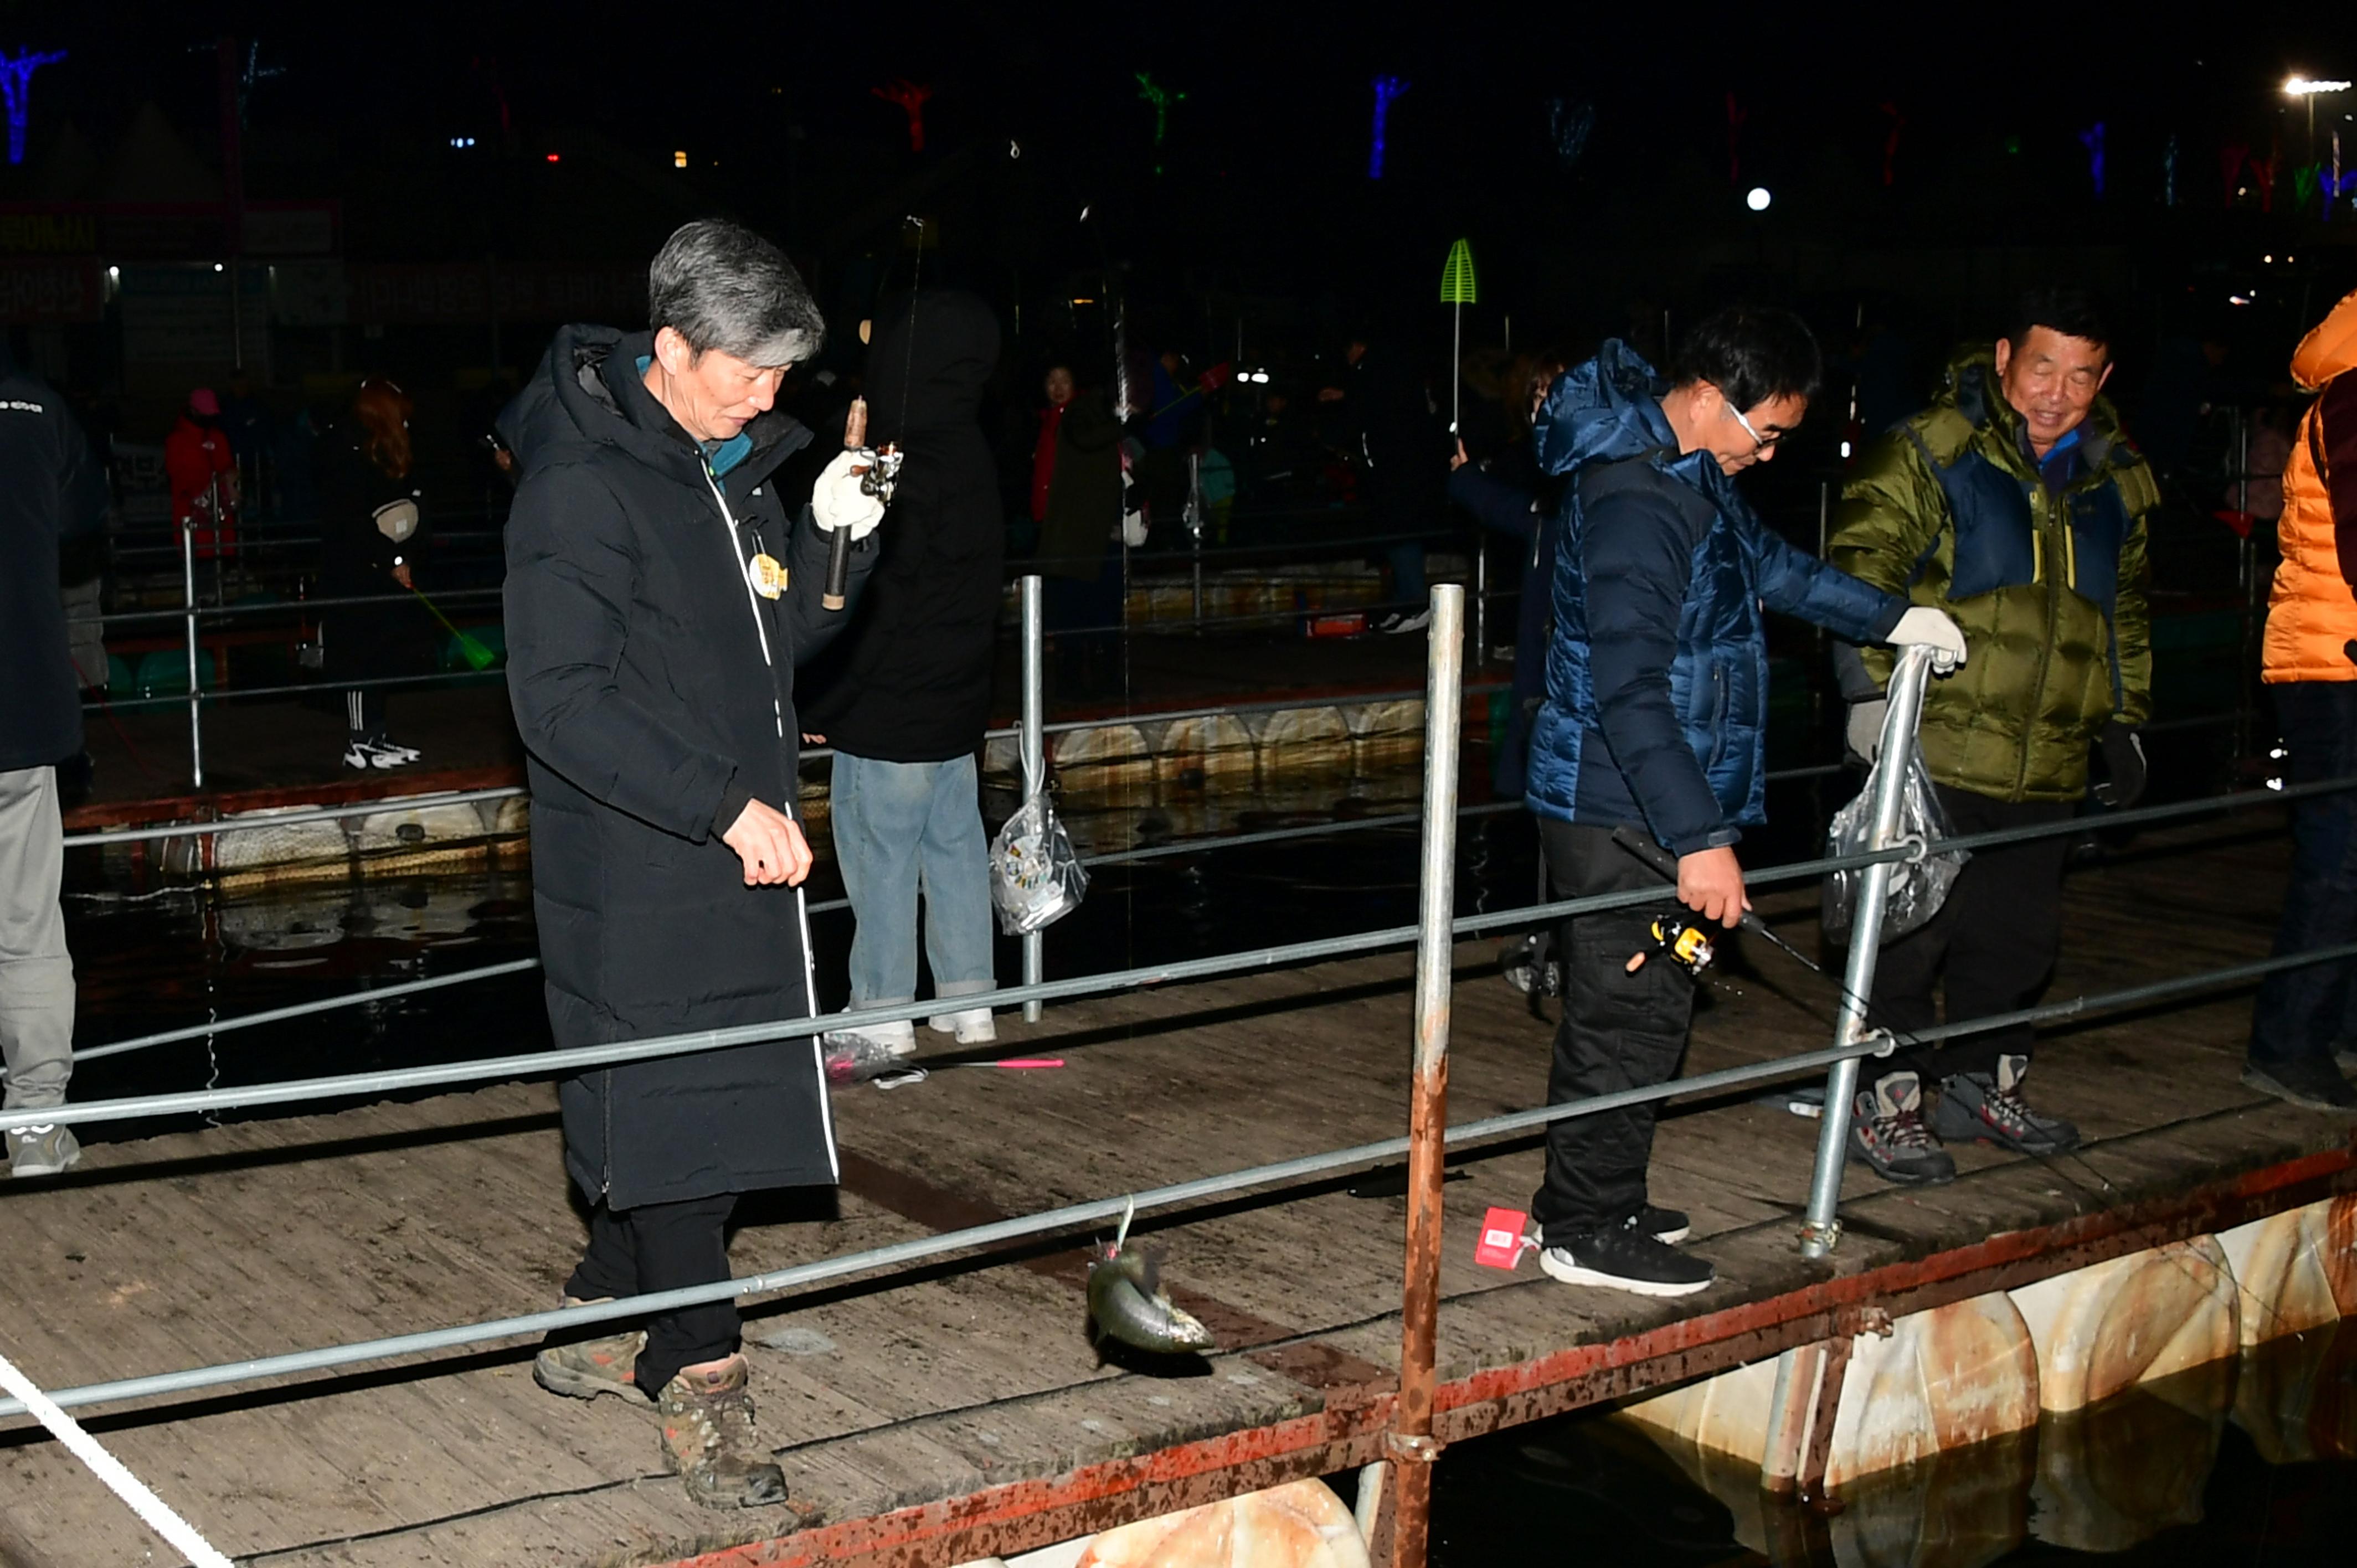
column 1348, row 1432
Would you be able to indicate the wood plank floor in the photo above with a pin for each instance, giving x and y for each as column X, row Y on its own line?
column 265, row 1237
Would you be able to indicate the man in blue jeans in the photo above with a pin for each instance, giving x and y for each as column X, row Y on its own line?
column 905, row 697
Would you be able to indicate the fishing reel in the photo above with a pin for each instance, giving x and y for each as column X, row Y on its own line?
column 1683, row 943
column 879, row 470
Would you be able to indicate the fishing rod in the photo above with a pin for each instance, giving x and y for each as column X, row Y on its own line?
column 1683, row 943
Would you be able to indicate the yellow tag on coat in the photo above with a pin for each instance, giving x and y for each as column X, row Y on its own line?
column 769, row 576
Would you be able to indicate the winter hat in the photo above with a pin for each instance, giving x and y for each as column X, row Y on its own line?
column 202, row 401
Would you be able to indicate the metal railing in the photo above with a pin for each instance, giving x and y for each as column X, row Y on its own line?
column 1429, row 1137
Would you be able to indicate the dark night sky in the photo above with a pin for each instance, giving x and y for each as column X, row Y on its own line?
column 1263, row 189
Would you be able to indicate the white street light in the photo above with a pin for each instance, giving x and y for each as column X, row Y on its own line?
column 2306, row 88
column 1757, row 199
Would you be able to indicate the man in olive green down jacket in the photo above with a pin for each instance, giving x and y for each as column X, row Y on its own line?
column 2015, row 504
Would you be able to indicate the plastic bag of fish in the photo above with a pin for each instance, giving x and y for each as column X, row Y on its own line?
column 1918, row 887
column 1034, row 877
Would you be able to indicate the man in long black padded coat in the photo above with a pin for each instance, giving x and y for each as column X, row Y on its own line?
column 660, row 594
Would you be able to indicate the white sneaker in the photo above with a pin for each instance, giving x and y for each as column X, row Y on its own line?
column 972, row 1027
column 367, row 754
column 894, row 1039
column 406, row 753
column 47, row 1149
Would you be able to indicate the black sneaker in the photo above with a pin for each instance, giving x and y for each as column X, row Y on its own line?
column 1623, row 1257
column 1666, row 1226
column 1976, row 1105
column 2311, row 1082
column 1888, row 1137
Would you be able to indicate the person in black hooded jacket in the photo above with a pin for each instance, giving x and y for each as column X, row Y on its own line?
column 905, row 697
column 659, row 592
column 50, row 490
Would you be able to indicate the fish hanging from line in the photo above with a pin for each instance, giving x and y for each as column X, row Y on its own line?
column 1127, row 1303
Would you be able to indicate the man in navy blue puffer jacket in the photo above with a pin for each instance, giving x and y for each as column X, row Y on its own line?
column 1656, row 716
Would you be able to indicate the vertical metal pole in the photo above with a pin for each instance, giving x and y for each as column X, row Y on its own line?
column 1822, row 1229
column 1034, row 758
column 189, row 603
column 1480, row 602
column 1411, row 1446
column 1195, row 529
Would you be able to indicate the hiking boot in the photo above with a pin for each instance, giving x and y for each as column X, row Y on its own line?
column 972, row 1027
column 1976, row 1105
column 2311, row 1082
column 46, row 1149
column 583, row 1368
column 1887, row 1133
column 709, row 1441
column 1623, row 1257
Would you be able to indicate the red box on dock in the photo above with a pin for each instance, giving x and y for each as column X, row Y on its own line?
column 1500, row 1246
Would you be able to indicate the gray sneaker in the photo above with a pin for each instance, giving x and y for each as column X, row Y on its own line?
column 1887, row 1133
column 47, row 1149
column 1976, row 1105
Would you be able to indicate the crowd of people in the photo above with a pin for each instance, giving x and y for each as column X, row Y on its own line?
column 674, row 644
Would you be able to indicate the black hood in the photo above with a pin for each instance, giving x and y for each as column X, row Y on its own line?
column 929, row 363
column 587, row 392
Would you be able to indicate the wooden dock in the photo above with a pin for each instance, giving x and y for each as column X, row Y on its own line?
column 955, row 1410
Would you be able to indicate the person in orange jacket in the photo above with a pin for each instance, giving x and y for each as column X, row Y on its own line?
column 203, row 475
column 2304, row 1024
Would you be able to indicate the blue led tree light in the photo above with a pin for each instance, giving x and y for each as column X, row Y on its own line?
column 17, row 86
column 1386, row 88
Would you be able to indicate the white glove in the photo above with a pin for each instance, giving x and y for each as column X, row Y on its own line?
column 837, row 502
column 1865, row 732
column 1931, row 629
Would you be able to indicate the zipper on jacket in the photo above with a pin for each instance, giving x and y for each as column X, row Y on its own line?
column 752, row 596
column 2041, row 511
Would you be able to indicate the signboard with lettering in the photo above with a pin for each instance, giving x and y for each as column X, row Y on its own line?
column 46, row 290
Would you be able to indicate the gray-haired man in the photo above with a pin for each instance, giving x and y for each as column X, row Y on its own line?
column 659, row 592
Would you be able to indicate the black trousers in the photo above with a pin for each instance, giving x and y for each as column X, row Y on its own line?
column 2306, row 1014
column 1619, row 1031
column 663, row 1246
column 1993, row 942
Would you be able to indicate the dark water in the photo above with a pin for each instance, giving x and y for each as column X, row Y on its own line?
column 2251, row 1463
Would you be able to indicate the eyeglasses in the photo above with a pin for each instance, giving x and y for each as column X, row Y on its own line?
column 1759, row 442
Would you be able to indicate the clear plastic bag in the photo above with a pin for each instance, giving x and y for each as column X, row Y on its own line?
column 1034, row 877
column 1918, row 887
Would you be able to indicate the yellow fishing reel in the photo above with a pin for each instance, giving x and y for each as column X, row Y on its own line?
column 1686, row 944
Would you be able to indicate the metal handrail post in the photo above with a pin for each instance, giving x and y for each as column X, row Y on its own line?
column 1195, row 530
column 1481, row 603
column 1411, row 1449
column 1034, row 758
column 188, row 615
column 1823, row 1228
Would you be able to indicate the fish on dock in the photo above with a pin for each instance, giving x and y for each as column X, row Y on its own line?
column 1127, row 1303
